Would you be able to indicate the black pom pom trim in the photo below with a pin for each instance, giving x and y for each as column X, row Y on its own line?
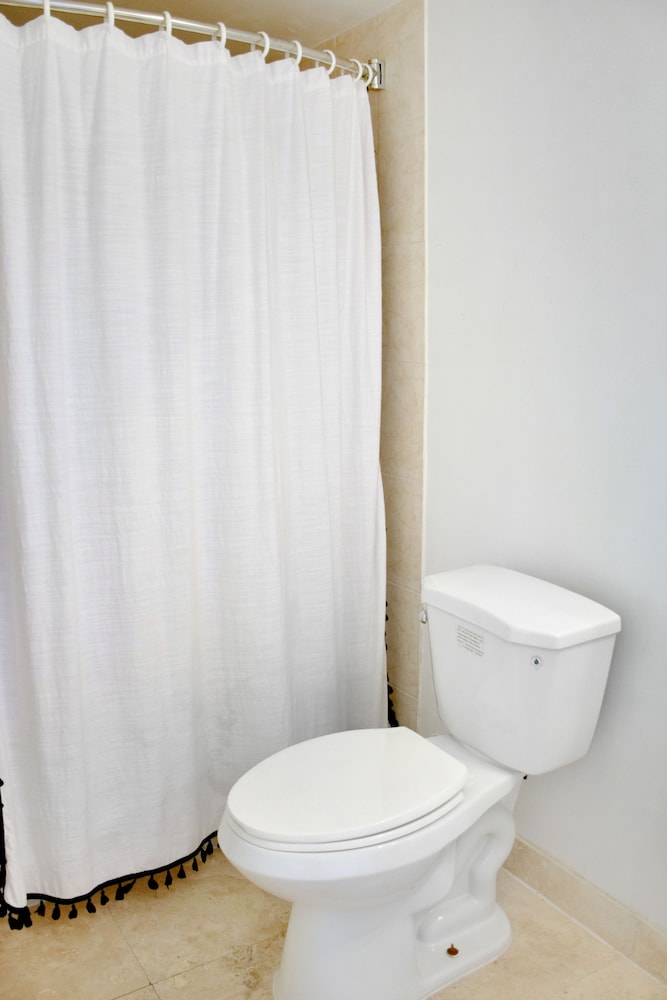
column 20, row 918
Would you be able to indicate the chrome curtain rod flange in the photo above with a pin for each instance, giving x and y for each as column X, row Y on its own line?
column 377, row 81
column 166, row 21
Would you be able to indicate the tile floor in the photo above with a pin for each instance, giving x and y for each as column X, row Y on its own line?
column 216, row 937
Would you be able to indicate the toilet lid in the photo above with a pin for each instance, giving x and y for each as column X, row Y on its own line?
column 345, row 786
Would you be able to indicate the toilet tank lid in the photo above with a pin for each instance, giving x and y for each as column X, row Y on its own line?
column 519, row 608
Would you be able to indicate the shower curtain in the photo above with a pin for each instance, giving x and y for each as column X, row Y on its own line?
column 191, row 517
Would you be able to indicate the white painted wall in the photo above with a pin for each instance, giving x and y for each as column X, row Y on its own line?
column 547, row 369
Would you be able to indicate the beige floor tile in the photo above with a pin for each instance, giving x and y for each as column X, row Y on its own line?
column 242, row 973
column 216, row 937
column 549, row 952
column 83, row 959
column 619, row 980
column 173, row 930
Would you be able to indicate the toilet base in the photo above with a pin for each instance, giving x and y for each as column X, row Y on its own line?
column 476, row 946
column 367, row 964
column 400, row 949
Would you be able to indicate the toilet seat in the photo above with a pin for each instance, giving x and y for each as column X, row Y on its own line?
column 345, row 790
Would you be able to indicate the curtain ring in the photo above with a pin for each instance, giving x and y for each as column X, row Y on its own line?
column 328, row 52
column 223, row 34
column 369, row 73
column 267, row 43
column 360, row 71
column 167, row 22
column 299, row 51
column 111, row 16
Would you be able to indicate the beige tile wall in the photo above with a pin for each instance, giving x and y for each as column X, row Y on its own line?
column 397, row 37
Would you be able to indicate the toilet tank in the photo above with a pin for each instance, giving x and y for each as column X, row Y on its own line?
column 519, row 665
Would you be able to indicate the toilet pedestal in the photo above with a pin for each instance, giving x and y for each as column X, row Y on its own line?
column 334, row 954
column 398, row 950
column 373, row 965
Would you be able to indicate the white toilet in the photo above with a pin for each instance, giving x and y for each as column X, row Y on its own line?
column 388, row 844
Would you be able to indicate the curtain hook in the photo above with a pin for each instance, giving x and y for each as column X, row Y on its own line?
column 111, row 16
column 299, row 51
column 360, row 71
column 167, row 22
column 267, row 43
column 333, row 60
column 223, row 34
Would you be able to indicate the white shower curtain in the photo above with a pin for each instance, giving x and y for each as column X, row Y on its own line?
column 191, row 518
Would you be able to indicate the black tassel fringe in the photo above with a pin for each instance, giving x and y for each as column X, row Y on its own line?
column 21, row 918
column 391, row 714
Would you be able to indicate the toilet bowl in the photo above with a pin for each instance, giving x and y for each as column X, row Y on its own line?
column 387, row 871
column 388, row 844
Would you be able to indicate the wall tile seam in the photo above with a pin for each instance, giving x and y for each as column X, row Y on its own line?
column 396, row 582
column 398, row 692
column 388, row 476
column 414, row 592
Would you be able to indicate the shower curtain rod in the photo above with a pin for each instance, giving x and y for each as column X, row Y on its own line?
column 252, row 38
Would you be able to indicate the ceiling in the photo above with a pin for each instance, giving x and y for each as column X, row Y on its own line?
column 310, row 21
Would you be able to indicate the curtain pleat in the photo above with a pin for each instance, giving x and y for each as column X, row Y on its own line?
column 191, row 514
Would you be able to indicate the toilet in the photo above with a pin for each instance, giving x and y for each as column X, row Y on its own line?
column 387, row 843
